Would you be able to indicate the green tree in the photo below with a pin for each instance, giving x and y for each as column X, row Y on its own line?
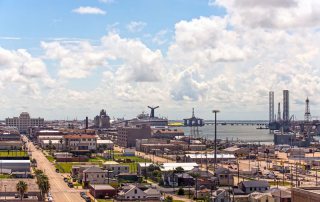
column 22, row 188
column 168, row 199
column 181, row 191
column 43, row 182
column 179, row 170
column 195, row 176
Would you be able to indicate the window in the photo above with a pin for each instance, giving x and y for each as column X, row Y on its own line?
column 135, row 191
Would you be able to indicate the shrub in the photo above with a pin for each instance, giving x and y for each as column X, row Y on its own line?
column 181, row 191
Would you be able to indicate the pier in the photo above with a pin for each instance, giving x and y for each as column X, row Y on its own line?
column 239, row 122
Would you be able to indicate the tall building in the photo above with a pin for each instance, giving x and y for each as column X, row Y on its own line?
column 102, row 120
column 271, row 106
column 127, row 135
column 23, row 122
column 286, row 112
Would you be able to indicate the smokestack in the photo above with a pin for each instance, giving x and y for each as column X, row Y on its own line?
column 271, row 106
column 286, row 112
column 87, row 122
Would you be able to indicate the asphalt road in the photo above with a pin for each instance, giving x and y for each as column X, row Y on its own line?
column 59, row 189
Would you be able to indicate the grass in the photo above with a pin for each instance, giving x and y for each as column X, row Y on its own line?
column 5, row 176
column 97, row 159
column 12, row 153
column 272, row 183
column 133, row 167
column 65, row 167
column 132, row 158
column 50, row 158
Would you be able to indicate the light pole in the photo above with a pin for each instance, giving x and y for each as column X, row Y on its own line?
column 215, row 137
column 5, row 192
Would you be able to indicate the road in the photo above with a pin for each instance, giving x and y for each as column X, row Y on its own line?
column 59, row 189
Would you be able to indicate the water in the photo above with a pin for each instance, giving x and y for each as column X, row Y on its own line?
column 240, row 132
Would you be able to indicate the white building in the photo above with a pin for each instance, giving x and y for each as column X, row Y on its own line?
column 115, row 167
column 131, row 192
column 23, row 122
column 80, row 142
column 94, row 175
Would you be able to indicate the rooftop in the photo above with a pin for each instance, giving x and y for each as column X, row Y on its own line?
column 219, row 156
column 79, row 136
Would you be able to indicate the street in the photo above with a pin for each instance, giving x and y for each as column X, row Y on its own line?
column 59, row 189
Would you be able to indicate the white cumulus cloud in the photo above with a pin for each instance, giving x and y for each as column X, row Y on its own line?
column 89, row 10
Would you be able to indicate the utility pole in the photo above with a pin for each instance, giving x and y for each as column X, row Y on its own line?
column 215, row 138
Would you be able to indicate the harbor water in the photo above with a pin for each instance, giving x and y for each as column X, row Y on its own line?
column 247, row 133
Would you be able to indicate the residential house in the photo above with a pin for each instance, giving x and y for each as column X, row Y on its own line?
column 94, row 175
column 220, row 195
column 260, row 197
column 131, row 192
column 253, row 186
column 115, row 168
column 152, row 194
column 224, row 176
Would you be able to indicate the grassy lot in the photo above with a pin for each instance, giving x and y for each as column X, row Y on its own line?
column 97, row 159
column 50, row 158
column 132, row 158
column 65, row 167
column 133, row 167
column 5, row 176
column 272, row 183
column 104, row 200
column 12, row 153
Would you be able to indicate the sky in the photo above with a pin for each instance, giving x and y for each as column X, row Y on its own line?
column 67, row 59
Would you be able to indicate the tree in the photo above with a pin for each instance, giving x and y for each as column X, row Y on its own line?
column 195, row 176
column 22, row 188
column 60, row 141
column 168, row 199
column 181, row 191
column 179, row 170
column 43, row 182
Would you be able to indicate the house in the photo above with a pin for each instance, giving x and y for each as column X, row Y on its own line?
column 183, row 179
column 105, row 144
column 131, row 192
column 220, row 195
column 94, row 175
column 77, row 171
column 254, row 185
column 202, row 193
column 102, row 191
column 224, row 176
column 281, row 195
column 166, row 133
column 115, row 167
column 260, row 197
column 209, row 157
column 152, row 194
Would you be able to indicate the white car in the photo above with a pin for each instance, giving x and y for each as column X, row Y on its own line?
column 50, row 199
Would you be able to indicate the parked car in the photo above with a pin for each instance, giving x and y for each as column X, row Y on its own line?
column 70, row 184
column 65, row 179
column 50, row 199
column 87, row 199
column 57, row 170
column 83, row 194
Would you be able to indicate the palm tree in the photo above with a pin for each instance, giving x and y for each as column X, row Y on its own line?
column 43, row 183
column 22, row 188
column 195, row 176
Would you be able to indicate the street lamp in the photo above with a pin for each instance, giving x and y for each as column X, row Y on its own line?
column 5, row 192
column 215, row 137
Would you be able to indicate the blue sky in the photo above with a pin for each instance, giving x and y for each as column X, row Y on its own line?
column 73, row 57
column 34, row 21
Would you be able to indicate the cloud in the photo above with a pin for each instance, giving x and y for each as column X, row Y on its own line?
column 89, row 10
column 136, row 26
column 107, row 1
column 273, row 14
column 9, row 38
column 161, row 37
